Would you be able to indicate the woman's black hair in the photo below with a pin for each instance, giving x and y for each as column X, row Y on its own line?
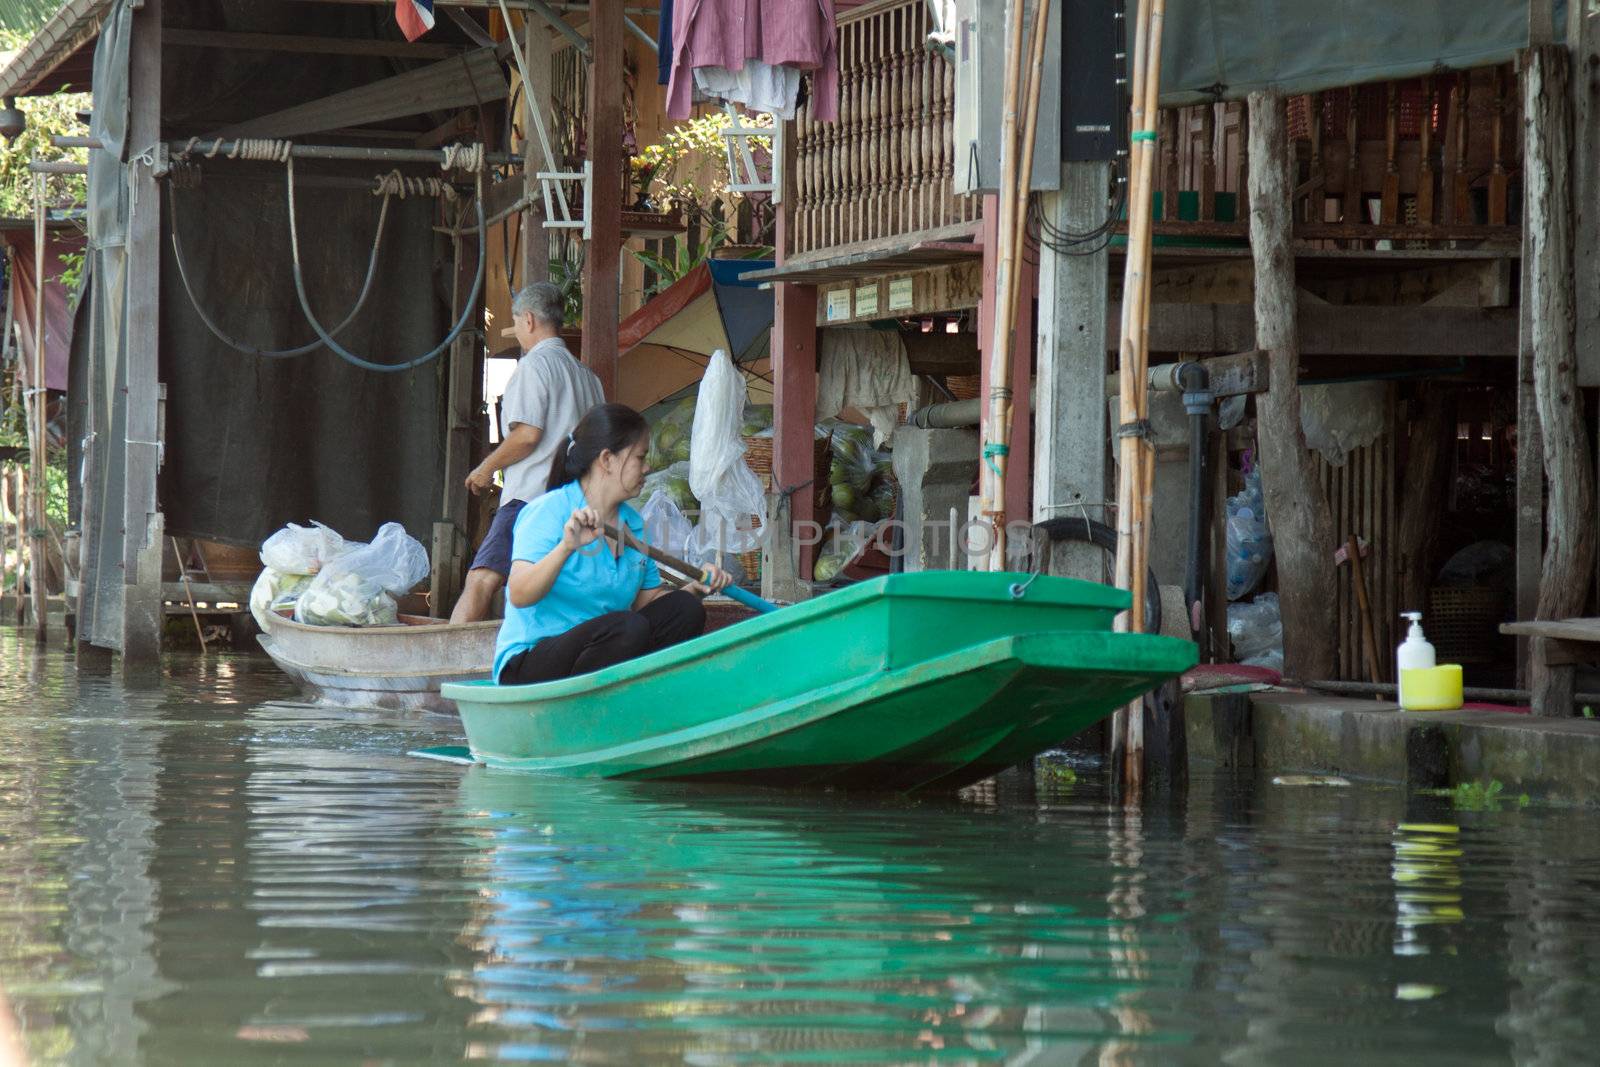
column 605, row 428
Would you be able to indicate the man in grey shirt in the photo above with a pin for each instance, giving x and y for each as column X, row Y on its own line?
column 547, row 395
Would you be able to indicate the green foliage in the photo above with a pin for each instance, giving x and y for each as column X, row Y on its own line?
column 568, row 277
column 1056, row 773
column 1479, row 796
column 689, row 169
column 48, row 116
column 684, row 258
column 1588, row 712
column 22, row 18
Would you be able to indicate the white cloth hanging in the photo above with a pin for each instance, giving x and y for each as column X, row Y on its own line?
column 758, row 86
column 866, row 370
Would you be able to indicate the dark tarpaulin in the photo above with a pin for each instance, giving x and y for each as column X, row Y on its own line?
column 254, row 443
column 1225, row 49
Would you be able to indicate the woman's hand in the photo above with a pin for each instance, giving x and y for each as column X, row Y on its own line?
column 581, row 530
column 715, row 581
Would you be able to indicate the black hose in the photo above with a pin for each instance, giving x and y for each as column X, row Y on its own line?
column 1087, row 531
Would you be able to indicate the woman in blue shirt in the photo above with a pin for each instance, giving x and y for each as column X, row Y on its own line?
column 576, row 601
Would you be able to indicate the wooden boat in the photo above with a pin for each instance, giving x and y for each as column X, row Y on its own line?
column 399, row 667
column 912, row 681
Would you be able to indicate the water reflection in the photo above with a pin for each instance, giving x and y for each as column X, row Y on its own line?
column 213, row 872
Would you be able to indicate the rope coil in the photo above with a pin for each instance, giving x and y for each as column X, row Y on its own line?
column 261, row 149
column 396, row 184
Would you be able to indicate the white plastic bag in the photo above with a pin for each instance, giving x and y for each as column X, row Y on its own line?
column 301, row 549
column 673, row 483
column 1339, row 418
column 274, row 590
column 1256, row 632
column 664, row 525
column 732, row 507
column 359, row 587
column 1249, row 539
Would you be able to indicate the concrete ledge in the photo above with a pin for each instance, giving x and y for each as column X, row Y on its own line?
column 1550, row 759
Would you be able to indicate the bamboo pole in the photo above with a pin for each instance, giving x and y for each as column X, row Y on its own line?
column 1016, row 166
column 38, row 426
column 1137, row 459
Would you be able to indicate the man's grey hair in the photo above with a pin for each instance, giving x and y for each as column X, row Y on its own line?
column 543, row 301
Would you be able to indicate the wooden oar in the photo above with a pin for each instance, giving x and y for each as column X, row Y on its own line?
column 733, row 592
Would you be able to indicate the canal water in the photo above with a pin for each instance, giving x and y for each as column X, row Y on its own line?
column 214, row 872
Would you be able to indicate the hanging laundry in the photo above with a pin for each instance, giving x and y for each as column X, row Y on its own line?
column 414, row 16
column 866, row 370
column 758, row 86
column 664, row 46
column 727, row 34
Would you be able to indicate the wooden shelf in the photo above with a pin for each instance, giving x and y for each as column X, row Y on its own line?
column 652, row 224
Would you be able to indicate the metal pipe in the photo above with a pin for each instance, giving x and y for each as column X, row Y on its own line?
column 955, row 415
column 1387, row 689
column 553, row 17
column 639, row 33
column 54, row 167
column 63, row 141
column 322, row 151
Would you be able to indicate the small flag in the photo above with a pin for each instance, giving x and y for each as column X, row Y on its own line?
column 414, row 16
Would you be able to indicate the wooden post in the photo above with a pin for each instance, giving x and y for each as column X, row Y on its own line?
column 794, row 395
column 602, row 261
column 1302, row 524
column 1137, row 457
column 535, row 238
column 1069, row 472
column 1569, row 472
column 142, row 548
column 38, row 432
column 1425, row 477
column 1018, row 120
column 450, row 532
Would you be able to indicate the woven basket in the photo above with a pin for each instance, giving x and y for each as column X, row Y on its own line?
column 964, row 386
column 750, row 563
column 758, row 454
column 1463, row 623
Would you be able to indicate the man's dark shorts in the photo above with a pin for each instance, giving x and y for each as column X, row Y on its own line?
column 495, row 552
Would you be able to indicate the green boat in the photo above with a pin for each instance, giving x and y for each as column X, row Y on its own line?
column 931, row 680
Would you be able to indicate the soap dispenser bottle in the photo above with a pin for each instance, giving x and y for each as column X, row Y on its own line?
column 1415, row 653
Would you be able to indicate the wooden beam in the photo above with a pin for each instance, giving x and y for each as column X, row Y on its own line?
column 602, row 261
column 537, row 49
column 1302, row 523
column 1569, row 471
column 466, row 80
column 142, row 521
column 1339, row 329
column 327, row 46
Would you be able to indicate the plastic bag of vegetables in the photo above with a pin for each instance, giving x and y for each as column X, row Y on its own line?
column 274, row 591
column 670, row 435
column 359, row 587
column 302, row 549
column 847, row 543
column 674, row 482
column 664, row 524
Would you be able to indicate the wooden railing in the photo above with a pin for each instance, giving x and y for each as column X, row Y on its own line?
column 884, row 169
column 1427, row 158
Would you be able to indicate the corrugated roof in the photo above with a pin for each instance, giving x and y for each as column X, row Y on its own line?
column 60, row 54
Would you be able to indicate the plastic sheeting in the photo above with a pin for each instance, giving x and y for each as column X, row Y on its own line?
column 253, row 443
column 1224, row 49
column 58, row 304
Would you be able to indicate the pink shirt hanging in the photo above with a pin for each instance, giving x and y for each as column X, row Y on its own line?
column 725, row 33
